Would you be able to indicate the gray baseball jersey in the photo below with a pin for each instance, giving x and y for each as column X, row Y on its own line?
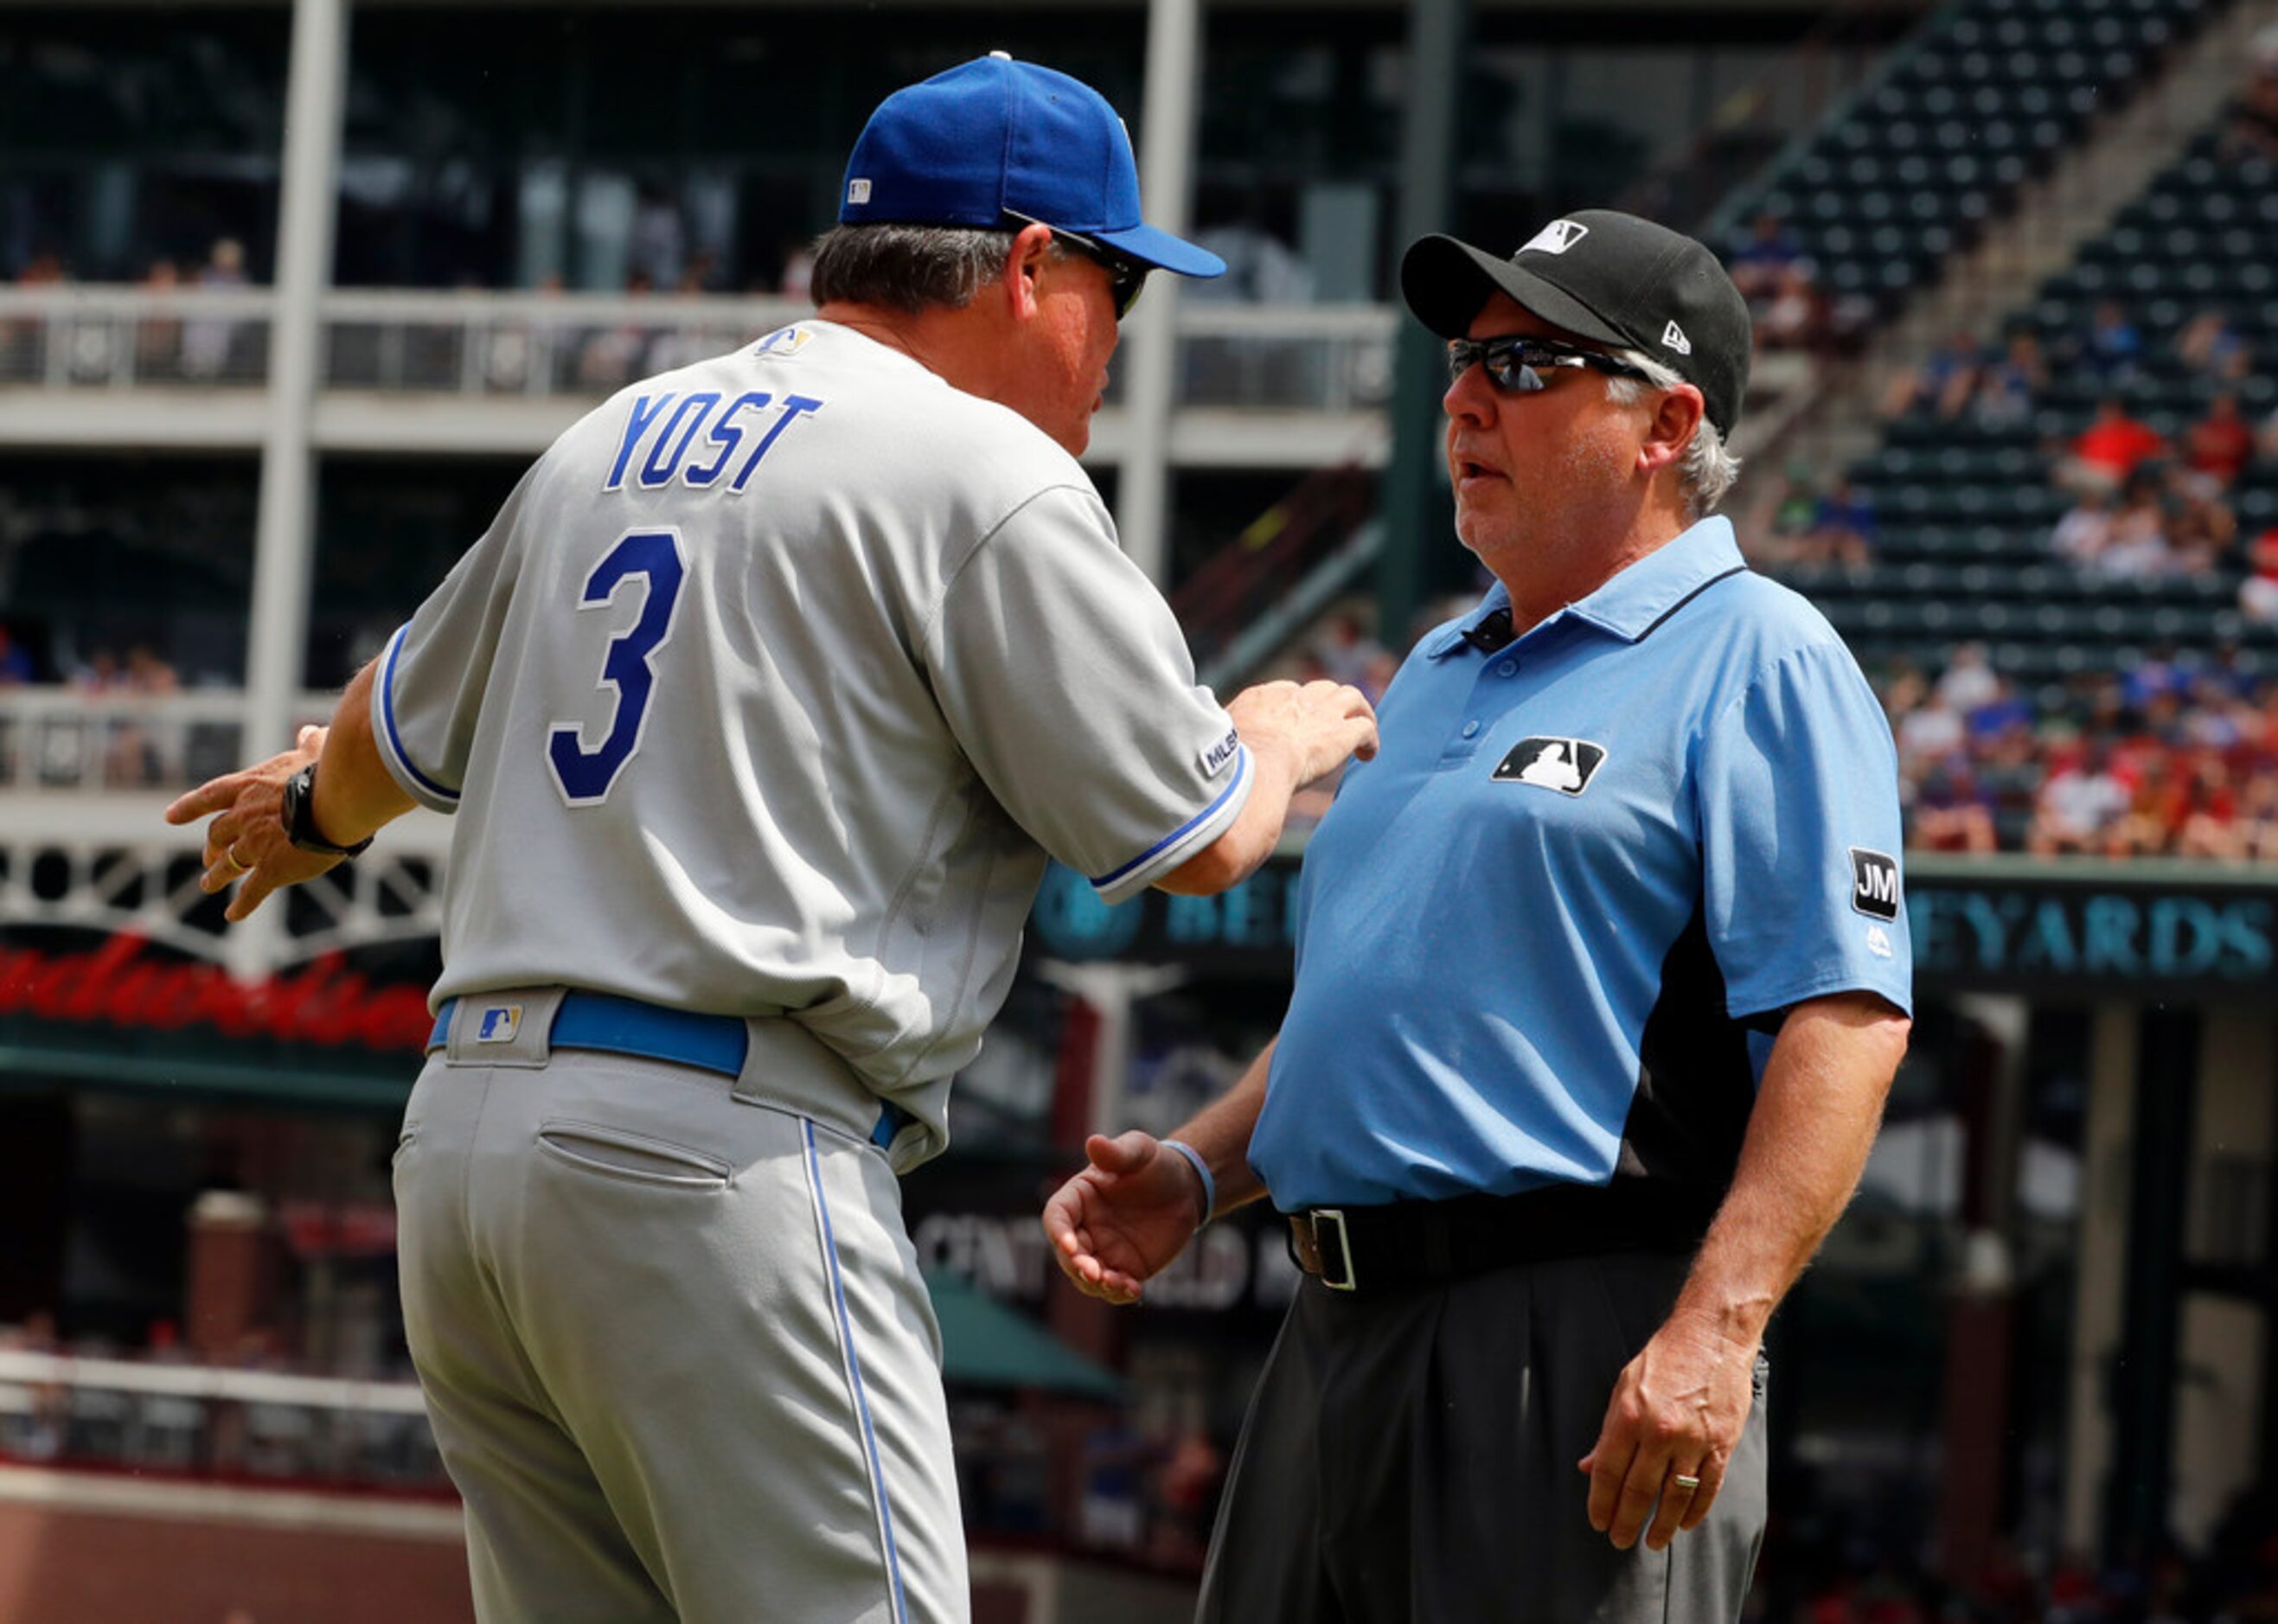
column 770, row 690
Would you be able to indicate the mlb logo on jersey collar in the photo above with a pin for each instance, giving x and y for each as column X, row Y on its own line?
column 1564, row 764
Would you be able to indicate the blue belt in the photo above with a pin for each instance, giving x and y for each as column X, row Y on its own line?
column 628, row 1026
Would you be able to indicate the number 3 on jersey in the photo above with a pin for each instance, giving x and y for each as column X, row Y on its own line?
column 587, row 774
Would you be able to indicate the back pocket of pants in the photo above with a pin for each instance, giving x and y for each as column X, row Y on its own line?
column 636, row 1158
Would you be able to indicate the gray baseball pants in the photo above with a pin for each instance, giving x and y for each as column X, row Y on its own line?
column 1410, row 1458
column 675, row 1345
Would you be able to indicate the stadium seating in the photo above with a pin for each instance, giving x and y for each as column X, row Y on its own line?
column 1987, row 95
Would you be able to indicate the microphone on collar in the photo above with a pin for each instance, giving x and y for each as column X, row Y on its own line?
column 1492, row 632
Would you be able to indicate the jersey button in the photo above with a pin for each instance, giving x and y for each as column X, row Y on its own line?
column 1470, row 729
column 1508, row 668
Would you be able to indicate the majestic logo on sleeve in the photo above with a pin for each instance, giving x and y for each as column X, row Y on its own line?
column 1564, row 764
column 1554, row 238
column 1874, row 883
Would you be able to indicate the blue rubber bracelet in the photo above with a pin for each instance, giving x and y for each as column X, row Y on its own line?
column 1202, row 1170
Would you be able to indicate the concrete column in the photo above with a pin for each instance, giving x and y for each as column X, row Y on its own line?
column 2219, row 1402
column 1980, row 1314
column 227, row 1293
column 2100, row 1270
column 284, row 536
column 1150, row 343
column 1417, row 505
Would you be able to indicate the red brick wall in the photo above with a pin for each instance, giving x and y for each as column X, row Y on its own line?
column 105, row 1557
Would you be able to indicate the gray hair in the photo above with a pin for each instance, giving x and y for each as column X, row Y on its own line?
column 1708, row 470
column 908, row 268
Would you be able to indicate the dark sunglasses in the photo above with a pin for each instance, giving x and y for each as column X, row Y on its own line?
column 1126, row 277
column 1516, row 363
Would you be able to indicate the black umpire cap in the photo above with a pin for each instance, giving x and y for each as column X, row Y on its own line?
column 1605, row 276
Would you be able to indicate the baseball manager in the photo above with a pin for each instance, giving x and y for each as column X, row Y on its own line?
column 1602, row 976
column 758, row 708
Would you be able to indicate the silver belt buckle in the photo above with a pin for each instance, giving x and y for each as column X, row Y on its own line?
column 1322, row 1218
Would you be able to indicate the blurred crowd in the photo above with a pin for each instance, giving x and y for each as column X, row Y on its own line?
column 2177, row 756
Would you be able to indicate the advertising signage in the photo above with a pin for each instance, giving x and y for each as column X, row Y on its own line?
column 2017, row 924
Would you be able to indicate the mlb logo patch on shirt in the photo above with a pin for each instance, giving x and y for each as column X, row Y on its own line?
column 1564, row 764
column 499, row 1024
column 1874, row 883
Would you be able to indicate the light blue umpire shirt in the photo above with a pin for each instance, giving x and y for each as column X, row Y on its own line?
column 1547, row 935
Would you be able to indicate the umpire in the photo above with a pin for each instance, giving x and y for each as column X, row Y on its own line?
column 1602, row 979
column 758, row 708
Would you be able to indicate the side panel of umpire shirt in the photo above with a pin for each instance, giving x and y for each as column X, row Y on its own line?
column 1544, row 935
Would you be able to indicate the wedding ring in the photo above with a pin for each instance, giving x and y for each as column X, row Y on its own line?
column 1685, row 1480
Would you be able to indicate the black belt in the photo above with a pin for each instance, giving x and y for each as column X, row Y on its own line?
column 1413, row 1243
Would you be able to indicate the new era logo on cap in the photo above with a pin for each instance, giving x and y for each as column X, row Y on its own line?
column 1555, row 238
column 1673, row 337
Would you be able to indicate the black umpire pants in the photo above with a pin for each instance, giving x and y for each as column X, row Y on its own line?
column 1409, row 1456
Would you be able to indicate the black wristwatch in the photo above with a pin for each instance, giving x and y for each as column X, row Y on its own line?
column 300, row 816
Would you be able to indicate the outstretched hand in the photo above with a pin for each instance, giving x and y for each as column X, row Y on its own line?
column 245, row 844
column 1318, row 723
column 1125, row 1215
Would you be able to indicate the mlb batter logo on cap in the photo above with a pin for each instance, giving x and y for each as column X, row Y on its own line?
column 499, row 1023
column 1555, row 238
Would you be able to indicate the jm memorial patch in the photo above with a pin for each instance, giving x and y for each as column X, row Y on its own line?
column 1874, row 883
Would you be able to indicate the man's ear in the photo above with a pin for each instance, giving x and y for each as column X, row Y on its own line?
column 1031, row 251
column 1676, row 420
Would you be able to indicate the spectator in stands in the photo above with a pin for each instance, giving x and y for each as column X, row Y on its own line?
column 2137, row 548
column 1952, row 809
column 615, row 355
column 1943, row 383
column 2007, row 385
column 2220, row 445
column 2200, row 526
column 657, row 242
column 1796, row 315
column 1969, row 681
column 1344, row 648
column 159, row 335
column 2258, row 594
column 2214, row 349
column 797, row 271
column 1842, row 530
column 2080, row 805
column 2109, row 449
column 1930, row 730
column 1759, row 265
column 2252, row 129
column 2086, row 530
column 16, row 666
column 206, row 342
column 2112, row 348
column 2157, row 801
column 2209, row 826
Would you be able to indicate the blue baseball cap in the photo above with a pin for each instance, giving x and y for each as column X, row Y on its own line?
column 996, row 142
